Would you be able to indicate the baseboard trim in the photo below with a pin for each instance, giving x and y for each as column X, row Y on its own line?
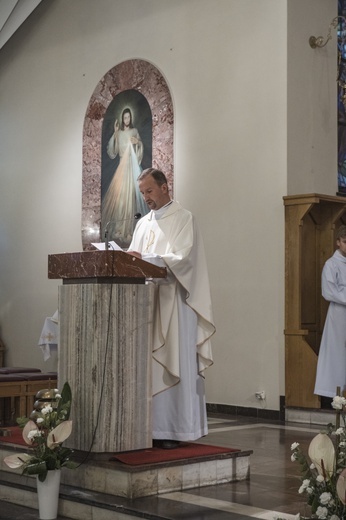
column 259, row 413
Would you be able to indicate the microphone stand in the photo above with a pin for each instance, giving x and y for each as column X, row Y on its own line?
column 137, row 216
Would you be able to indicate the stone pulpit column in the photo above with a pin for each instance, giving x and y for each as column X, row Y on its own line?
column 105, row 347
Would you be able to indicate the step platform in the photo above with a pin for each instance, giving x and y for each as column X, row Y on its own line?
column 104, row 473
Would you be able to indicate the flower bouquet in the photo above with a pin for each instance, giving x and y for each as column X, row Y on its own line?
column 323, row 471
column 44, row 431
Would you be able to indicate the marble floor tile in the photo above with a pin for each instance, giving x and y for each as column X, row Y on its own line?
column 270, row 493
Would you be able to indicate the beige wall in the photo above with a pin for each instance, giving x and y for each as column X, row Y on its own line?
column 311, row 100
column 226, row 64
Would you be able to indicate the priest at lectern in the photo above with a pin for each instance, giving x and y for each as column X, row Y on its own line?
column 168, row 236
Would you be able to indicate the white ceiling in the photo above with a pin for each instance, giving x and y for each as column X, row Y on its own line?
column 12, row 15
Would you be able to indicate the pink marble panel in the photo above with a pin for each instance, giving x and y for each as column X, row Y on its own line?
column 148, row 80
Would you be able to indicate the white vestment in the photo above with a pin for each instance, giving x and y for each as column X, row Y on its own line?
column 331, row 366
column 183, row 322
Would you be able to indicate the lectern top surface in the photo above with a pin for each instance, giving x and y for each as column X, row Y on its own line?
column 101, row 264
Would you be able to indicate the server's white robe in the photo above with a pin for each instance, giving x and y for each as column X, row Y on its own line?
column 183, row 322
column 331, row 366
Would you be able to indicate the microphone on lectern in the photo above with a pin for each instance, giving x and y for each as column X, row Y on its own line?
column 137, row 216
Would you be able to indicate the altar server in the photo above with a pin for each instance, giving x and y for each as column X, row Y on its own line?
column 331, row 367
column 168, row 236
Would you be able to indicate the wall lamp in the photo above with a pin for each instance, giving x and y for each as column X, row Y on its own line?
column 319, row 41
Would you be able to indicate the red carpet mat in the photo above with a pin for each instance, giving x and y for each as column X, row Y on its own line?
column 185, row 451
column 16, row 436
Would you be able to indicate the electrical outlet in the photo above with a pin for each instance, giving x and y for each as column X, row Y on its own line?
column 260, row 395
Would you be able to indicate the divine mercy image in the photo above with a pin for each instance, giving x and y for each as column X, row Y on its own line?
column 126, row 151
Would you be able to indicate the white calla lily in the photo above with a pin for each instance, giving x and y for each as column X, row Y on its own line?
column 29, row 427
column 341, row 486
column 45, row 431
column 17, row 460
column 322, row 454
column 59, row 434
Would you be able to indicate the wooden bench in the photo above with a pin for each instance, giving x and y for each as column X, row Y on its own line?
column 35, row 383
column 13, row 396
column 18, row 388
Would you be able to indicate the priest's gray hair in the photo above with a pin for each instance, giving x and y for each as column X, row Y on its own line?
column 158, row 175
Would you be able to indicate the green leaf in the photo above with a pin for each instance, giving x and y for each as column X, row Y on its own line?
column 42, row 476
column 35, row 469
column 70, row 464
column 65, row 401
column 51, row 462
column 315, row 504
column 65, row 453
column 21, row 421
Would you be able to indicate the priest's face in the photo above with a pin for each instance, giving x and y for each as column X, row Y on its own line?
column 341, row 243
column 153, row 194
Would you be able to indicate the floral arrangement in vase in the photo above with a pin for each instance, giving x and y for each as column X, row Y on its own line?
column 44, row 431
column 324, row 469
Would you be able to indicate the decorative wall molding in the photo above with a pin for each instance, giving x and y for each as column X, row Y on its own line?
column 147, row 79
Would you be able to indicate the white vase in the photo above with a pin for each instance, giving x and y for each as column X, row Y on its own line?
column 48, row 495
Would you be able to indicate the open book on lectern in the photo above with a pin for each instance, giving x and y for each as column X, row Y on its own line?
column 112, row 246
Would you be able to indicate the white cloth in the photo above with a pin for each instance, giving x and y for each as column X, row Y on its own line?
column 331, row 366
column 49, row 338
column 183, row 322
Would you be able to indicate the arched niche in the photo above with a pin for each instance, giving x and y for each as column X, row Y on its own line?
column 144, row 77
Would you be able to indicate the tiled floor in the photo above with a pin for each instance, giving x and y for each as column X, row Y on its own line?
column 271, row 492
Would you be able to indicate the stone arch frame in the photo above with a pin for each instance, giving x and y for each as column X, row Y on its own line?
column 147, row 79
